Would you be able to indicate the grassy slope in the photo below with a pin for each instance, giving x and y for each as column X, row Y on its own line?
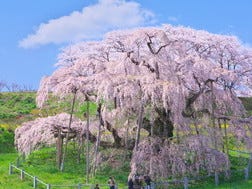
column 11, row 181
column 15, row 107
column 41, row 163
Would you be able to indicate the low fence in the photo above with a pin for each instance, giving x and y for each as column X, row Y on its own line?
column 24, row 174
column 37, row 183
column 184, row 183
column 187, row 183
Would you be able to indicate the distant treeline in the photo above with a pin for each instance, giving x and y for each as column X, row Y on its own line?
column 14, row 87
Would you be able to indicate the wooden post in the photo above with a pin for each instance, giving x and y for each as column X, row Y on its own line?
column 246, row 172
column 186, row 182
column 212, row 115
column 226, row 137
column 17, row 162
column 250, row 162
column 59, row 144
column 35, row 182
column 152, row 185
column 152, row 151
column 48, row 186
column 68, row 131
column 220, row 130
column 79, row 186
column 23, row 157
column 166, row 185
column 87, row 142
column 216, row 178
column 10, row 169
column 22, row 174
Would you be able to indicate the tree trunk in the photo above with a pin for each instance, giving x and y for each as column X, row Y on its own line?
column 117, row 138
column 97, row 141
column 68, row 131
column 59, row 148
column 163, row 125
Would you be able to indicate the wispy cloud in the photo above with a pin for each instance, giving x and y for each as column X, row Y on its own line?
column 92, row 22
column 248, row 45
column 173, row 19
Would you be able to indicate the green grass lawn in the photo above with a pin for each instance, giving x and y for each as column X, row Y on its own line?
column 227, row 185
column 11, row 181
column 42, row 164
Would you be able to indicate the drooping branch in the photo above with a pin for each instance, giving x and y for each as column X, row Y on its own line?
column 189, row 112
column 149, row 44
column 137, row 63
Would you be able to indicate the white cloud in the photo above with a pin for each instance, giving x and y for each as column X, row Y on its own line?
column 173, row 19
column 92, row 22
column 248, row 45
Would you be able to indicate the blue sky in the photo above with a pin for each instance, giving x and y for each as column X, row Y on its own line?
column 33, row 32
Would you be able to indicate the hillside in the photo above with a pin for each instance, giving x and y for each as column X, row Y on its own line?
column 15, row 108
column 19, row 107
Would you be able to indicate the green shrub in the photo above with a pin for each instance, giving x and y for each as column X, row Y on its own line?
column 6, row 141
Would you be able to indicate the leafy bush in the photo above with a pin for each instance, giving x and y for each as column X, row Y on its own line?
column 247, row 102
column 6, row 141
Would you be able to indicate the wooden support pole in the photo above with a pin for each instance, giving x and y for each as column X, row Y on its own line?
column 17, row 162
column 22, row 174
column 35, row 182
column 216, row 178
column 10, row 169
column 186, row 183
column 246, row 173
